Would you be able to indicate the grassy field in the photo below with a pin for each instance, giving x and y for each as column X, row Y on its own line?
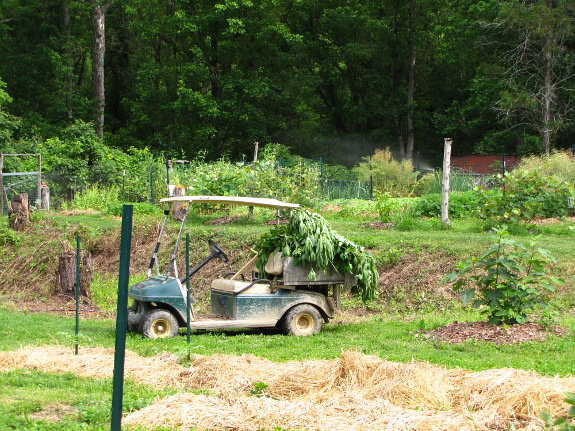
column 390, row 327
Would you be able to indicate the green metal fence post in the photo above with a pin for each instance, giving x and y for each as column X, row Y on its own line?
column 151, row 180
column 78, row 279
column 188, row 285
column 121, row 318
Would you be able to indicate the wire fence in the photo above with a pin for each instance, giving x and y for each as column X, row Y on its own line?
column 288, row 180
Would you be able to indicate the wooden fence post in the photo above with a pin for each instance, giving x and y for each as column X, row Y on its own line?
column 178, row 208
column 445, row 182
column 44, row 197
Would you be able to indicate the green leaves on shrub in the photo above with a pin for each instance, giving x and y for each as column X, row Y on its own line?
column 524, row 195
column 461, row 204
column 507, row 281
column 8, row 236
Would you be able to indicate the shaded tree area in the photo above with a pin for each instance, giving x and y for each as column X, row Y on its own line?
column 328, row 78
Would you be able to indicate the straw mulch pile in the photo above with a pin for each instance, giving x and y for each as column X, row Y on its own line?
column 354, row 392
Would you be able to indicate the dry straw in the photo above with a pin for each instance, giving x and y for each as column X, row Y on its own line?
column 354, row 392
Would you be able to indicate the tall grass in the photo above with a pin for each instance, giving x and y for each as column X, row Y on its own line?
column 560, row 164
column 95, row 197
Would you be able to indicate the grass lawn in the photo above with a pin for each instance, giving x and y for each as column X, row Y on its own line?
column 393, row 332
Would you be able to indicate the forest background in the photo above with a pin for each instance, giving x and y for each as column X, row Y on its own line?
column 326, row 78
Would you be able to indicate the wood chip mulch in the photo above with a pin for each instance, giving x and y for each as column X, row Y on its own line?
column 458, row 332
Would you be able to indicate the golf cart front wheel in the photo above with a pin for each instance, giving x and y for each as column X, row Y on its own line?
column 303, row 319
column 159, row 323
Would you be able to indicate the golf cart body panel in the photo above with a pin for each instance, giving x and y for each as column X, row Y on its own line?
column 291, row 300
column 271, row 306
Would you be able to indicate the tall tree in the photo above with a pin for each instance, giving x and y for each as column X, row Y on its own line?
column 99, row 10
column 539, row 65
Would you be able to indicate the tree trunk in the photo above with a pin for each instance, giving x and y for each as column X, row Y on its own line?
column 411, row 84
column 18, row 212
column 68, row 60
column 548, row 95
column 67, row 272
column 179, row 208
column 98, row 51
column 393, row 84
column 445, row 182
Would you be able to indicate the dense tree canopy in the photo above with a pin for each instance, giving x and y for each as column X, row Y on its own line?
column 328, row 78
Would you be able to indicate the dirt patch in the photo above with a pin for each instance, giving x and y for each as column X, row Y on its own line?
column 274, row 222
column 415, row 282
column 458, row 332
column 548, row 221
column 378, row 225
column 223, row 220
column 53, row 413
column 78, row 212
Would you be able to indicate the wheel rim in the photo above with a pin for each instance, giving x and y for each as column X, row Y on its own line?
column 304, row 323
column 161, row 328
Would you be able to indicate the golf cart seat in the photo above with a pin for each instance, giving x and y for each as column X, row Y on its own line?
column 238, row 287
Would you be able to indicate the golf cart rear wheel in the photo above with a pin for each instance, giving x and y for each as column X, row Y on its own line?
column 159, row 323
column 303, row 319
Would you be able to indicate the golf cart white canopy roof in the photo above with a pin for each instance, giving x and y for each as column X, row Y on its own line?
column 233, row 200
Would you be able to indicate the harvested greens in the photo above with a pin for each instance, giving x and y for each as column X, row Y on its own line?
column 309, row 238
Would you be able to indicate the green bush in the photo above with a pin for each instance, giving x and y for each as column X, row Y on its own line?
column 8, row 236
column 138, row 208
column 390, row 208
column 389, row 175
column 298, row 182
column 461, row 204
column 521, row 196
column 95, row 197
column 507, row 281
column 560, row 164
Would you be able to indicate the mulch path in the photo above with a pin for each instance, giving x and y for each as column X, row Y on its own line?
column 458, row 332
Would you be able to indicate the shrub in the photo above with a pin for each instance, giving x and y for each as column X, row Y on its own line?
column 94, row 197
column 524, row 195
column 8, row 236
column 388, row 175
column 138, row 208
column 390, row 208
column 508, row 280
column 461, row 204
column 560, row 164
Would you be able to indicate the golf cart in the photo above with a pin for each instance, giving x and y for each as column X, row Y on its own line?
column 286, row 299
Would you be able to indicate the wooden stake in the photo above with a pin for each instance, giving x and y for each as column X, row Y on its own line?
column 445, row 182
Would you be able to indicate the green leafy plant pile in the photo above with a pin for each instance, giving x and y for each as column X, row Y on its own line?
column 309, row 238
column 507, row 281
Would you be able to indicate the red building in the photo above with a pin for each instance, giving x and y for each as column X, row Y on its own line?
column 485, row 165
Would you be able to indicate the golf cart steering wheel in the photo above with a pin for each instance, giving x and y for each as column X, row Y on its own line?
column 217, row 251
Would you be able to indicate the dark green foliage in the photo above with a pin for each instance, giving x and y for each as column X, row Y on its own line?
column 461, row 204
column 139, row 208
column 310, row 239
column 525, row 195
column 508, row 281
